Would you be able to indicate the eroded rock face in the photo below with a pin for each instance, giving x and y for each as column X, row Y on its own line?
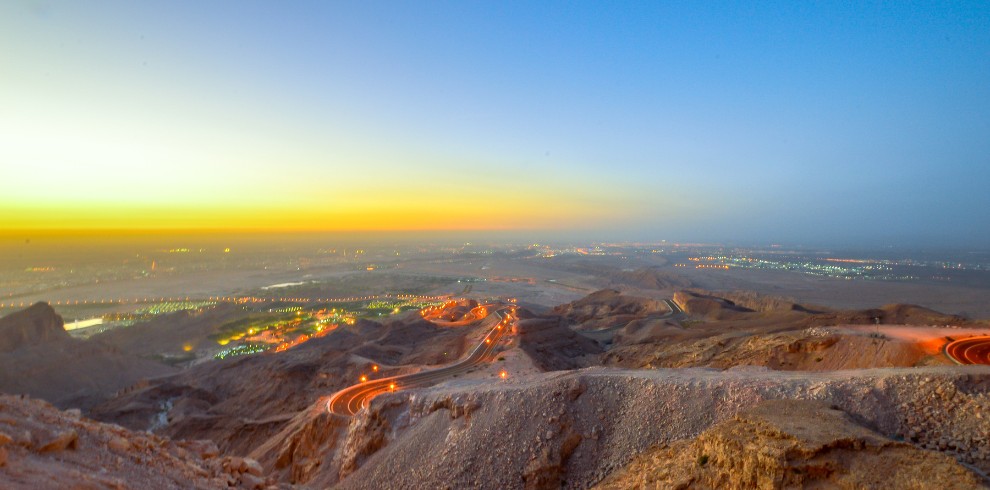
column 791, row 444
column 573, row 429
column 40, row 359
column 553, row 346
column 710, row 307
column 35, row 325
column 309, row 445
column 44, row 448
column 607, row 308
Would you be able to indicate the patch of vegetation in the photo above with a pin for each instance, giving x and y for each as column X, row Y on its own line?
column 703, row 460
column 818, row 359
column 501, row 358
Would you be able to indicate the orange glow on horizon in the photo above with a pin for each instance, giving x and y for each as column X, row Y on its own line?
column 163, row 220
column 384, row 209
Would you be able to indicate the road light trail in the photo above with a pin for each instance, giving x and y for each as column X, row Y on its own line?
column 974, row 350
column 350, row 400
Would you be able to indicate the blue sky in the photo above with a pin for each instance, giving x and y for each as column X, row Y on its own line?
column 795, row 122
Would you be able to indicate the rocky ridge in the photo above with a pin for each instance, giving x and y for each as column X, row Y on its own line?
column 35, row 325
column 40, row 359
column 791, row 444
column 574, row 428
column 42, row 447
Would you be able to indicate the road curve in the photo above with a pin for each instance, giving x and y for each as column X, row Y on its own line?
column 974, row 350
column 349, row 401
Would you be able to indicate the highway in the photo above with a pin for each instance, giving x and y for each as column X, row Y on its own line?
column 217, row 299
column 349, row 401
column 974, row 350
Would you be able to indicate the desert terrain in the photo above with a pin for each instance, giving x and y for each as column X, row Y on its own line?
column 612, row 372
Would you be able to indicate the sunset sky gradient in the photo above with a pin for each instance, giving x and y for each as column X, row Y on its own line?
column 788, row 121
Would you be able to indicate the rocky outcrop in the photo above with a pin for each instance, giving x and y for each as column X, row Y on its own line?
column 923, row 419
column 44, row 448
column 608, row 308
column 707, row 306
column 37, row 324
column 308, row 446
column 813, row 349
column 575, row 428
column 42, row 360
column 553, row 346
column 791, row 444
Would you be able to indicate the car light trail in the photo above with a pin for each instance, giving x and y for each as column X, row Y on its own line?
column 974, row 350
column 349, row 401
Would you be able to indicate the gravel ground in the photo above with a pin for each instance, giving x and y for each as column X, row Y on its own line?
column 573, row 428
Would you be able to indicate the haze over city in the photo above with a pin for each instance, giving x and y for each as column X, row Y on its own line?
column 496, row 245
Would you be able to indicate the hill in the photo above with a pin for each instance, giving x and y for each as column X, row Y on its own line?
column 42, row 448
column 40, row 359
column 576, row 428
column 802, row 444
column 38, row 324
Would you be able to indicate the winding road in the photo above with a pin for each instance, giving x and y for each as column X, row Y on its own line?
column 974, row 350
column 350, row 400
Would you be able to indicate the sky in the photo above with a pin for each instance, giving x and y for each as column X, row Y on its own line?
column 787, row 122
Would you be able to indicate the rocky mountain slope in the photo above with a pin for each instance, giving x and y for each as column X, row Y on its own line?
column 553, row 346
column 791, row 444
column 40, row 359
column 711, row 387
column 718, row 332
column 42, row 448
column 608, row 308
column 38, row 324
column 575, row 428
column 242, row 401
